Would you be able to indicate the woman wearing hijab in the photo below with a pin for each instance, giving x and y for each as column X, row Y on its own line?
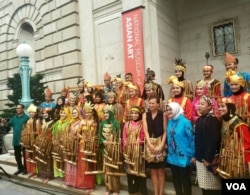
column 235, row 137
column 133, row 144
column 58, row 134
column 109, row 134
column 207, row 144
column 180, row 141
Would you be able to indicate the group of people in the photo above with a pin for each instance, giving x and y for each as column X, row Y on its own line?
column 99, row 133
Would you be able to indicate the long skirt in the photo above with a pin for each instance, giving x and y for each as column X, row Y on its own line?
column 30, row 163
column 45, row 170
column 70, row 174
column 206, row 179
column 82, row 180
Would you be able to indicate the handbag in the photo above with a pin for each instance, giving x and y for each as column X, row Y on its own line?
column 214, row 164
column 152, row 157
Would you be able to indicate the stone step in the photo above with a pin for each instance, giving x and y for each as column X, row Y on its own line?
column 11, row 152
column 7, row 161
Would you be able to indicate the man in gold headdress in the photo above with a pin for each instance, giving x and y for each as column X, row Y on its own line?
column 212, row 86
column 150, row 77
column 231, row 63
column 150, row 90
column 107, row 85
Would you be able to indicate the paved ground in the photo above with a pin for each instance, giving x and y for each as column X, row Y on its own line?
column 23, row 185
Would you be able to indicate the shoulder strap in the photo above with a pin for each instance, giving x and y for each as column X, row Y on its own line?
column 183, row 102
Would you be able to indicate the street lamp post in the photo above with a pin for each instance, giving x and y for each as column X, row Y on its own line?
column 24, row 51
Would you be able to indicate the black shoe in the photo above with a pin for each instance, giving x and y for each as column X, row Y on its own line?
column 18, row 172
column 25, row 172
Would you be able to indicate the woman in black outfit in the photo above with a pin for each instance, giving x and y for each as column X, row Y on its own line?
column 154, row 125
column 207, row 144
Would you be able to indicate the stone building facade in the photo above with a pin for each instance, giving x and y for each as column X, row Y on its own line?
column 75, row 39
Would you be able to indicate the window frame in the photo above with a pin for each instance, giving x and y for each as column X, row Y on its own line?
column 234, row 21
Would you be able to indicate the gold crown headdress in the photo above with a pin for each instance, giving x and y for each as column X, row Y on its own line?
column 118, row 78
column 88, row 107
column 180, row 65
column 72, row 96
column 225, row 100
column 201, row 83
column 137, row 109
column 208, row 67
column 232, row 76
column 174, row 80
column 132, row 86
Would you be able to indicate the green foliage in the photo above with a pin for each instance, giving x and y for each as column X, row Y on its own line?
column 14, row 83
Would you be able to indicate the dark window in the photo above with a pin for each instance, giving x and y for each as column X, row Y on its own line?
column 224, row 38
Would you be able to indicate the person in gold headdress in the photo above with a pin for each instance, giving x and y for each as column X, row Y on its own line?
column 129, row 79
column 73, row 101
column 212, row 85
column 119, row 90
column 150, row 77
column 235, row 144
column 30, row 133
column 110, row 146
column 134, row 100
column 48, row 104
column 71, row 149
column 240, row 97
column 119, row 110
column 108, row 86
column 59, row 133
column 43, row 157
column 87, row 132
column 178, row 90
column 180, row 69
column 231, row 63
column 150, row 89
column 133, row 140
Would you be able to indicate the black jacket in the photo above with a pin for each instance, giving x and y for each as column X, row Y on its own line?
column 207, row 137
